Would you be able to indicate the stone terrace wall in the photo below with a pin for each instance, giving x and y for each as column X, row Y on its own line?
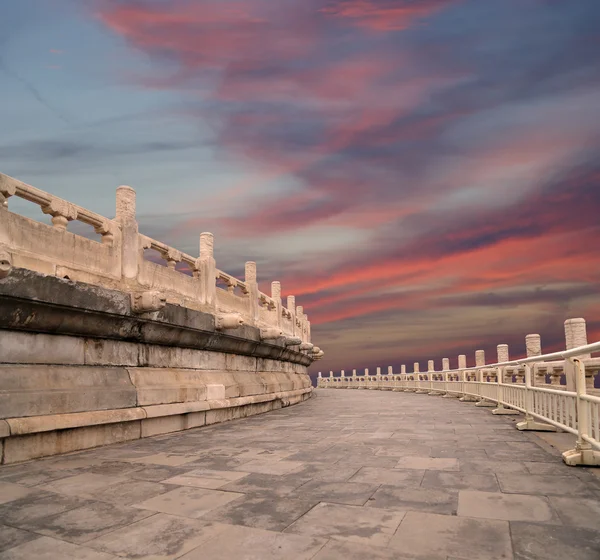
column 100, row 345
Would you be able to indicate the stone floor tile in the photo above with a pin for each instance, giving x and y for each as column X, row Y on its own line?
column 160, row 537
column 258, row 483
column 320, row 471
column 245, row 543
column 262, row 511
column 206, row 478
column 29, row 509
column 543, row 485
column 129, row 492
column 460, row 481
column 392, row 477
column 491, row 467
column 114, row 468
column 188, row 501
column 159, row 473
column 543, row 542
column 267, row 466
column 428, row 463
column 10, row 492
column 30, row 477
column 578, row 512
column 351, row 493
column 415, row 499
column 404, row 451
column 363, row 525
column 85, row 523
column 340, row 550
column 429, row 536
column 510, row 507
column 82, row 485
column 167, row 459
column 46, row 548
column 11, row 537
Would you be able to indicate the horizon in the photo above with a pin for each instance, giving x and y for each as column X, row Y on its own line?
column 422, row 176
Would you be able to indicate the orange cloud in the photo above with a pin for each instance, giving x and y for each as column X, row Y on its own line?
column 386, row 15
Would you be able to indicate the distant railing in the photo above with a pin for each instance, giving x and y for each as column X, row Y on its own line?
column 569, row 402
column 120, row 261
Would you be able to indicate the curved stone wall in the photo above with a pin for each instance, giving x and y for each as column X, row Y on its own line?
column 79, row 368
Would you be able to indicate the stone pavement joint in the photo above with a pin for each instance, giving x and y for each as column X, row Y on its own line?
column 346, row 475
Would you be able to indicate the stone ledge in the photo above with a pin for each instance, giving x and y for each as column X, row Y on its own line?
column 52, row 422
column 34, row 302
column 64, row 433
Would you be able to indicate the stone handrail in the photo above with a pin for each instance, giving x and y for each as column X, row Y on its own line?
column 119, row 262
column 514, row 387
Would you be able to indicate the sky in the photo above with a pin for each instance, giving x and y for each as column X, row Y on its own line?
column 423, row 175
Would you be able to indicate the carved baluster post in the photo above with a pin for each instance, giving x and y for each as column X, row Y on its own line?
column 291, row 307
column 446, row 377
column 276, row 296
column 503, row 356
column 207, row 271
column 131, row 251
column 483, row 378
column 575, row 336
column 252, row 284
column 300, row 322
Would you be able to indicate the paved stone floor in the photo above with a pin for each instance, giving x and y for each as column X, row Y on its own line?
column 346, row 475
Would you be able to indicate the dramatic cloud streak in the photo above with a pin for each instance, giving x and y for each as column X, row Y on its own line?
column 422, row 174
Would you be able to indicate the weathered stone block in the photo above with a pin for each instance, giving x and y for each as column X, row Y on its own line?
column 34, row 390
column 105, row 352
column 163, row 425
column 167, row 385
column 28, row 348
column 23, row 448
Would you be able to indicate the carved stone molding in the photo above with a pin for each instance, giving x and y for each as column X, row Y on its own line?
column 62, row 212
column 146, row 302
column 270, row 333
column 225, row 321
column 5, row 263
column 293, row 341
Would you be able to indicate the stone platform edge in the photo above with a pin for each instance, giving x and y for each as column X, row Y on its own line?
column 80, row 369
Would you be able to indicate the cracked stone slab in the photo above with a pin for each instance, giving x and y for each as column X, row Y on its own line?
column 267, row 466
column 167, row 459
column 85, row 523
column 430, row 536
column 337, row 550
column 428, row 463
column 206, row 478
column 578, row 512
column 246, row 543
column 263, row 511
column 351, row 493
column 11, row 537
column 391, row 477
column 460, row 481
column 541, row 542
column 362, row 525
column 431, row 500
column 510, row 507
column 10, row 492
column 543, row 485
column 82, row 485
column 188, row 501
column 46, row 548
column 26, row 511
column 160, row 537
